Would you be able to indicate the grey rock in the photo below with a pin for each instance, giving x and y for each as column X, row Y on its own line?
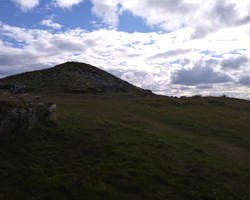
column 15, row 119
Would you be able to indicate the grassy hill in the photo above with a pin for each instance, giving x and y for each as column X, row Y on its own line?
column 71, row 77
column 125, row 146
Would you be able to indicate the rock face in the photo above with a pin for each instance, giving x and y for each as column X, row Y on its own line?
column 72, row 77
column 16, row 119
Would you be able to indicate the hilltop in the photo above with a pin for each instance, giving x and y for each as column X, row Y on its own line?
column 114, row 145
column 72, row 77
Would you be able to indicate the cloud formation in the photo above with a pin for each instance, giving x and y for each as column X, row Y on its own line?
column 205, row 49
column 201, row 17
column 171, row 53
column 26, row 4
column 107, row 10
column 67, row 3
column 233, row 63
column 199, row 74
column 245, row 80
column 51, row 24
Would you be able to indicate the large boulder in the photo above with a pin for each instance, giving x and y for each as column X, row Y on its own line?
column 19, row 119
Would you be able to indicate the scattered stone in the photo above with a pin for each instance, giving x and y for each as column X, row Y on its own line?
column 52, row 108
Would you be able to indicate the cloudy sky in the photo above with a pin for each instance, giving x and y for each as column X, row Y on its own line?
column 172, row 47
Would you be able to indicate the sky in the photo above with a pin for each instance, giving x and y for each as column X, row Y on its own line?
column 172, row 47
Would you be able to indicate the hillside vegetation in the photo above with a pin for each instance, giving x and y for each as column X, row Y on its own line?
column 120, row 144
column 117, row 146
column 71, row 77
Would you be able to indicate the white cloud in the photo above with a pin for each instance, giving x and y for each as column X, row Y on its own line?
column 50, row 23
column 67, row 3
column 198, row 16
column 150, row 60
column 202, row 17
column 27, row 4
column 108, row 10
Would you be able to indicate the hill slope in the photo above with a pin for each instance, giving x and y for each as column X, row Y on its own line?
column 122, row 146
column 71, row 77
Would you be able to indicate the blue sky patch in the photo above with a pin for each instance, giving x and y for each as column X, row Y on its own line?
column 131, row 23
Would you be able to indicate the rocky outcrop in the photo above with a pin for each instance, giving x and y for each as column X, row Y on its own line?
column 19, row 119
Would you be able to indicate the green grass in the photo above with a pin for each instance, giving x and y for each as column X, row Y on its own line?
column 125, row 147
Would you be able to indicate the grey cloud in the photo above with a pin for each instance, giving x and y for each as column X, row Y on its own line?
column 68, row 46
column 245, row 80
column 223, row 14
column 116, row 72
column 121, row 50
column 142, row 79
column 134, row 75
column 227, row 14
column 16, row 59
column 134, row 55
column 170, row 53
column 4, row 73
column 170, row 5
column 184, row 88
column 198, row 75
column 211, row 62
column 23, row 60
column 234, row 63
column 245, row 20
column 58, row 45
column 204, row 87
column 13, row 63
column 185, row 62
column 7, row 70
column 202, row 31
column 89, row 42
